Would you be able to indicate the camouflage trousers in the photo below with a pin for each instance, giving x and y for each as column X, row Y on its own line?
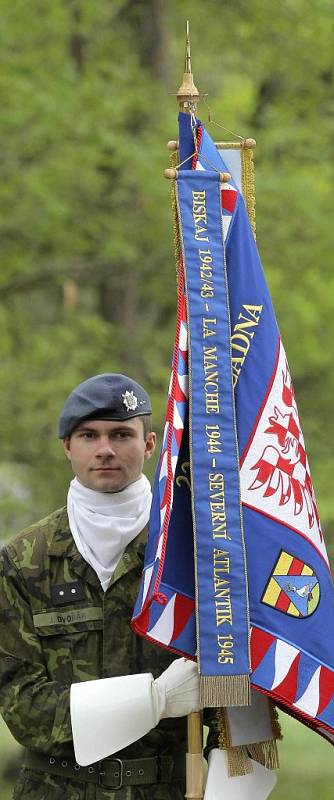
column 33, row 785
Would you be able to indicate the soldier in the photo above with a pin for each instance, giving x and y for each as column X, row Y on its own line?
column 68, row 585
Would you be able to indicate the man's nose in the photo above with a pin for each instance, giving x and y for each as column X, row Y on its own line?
column 105, row 447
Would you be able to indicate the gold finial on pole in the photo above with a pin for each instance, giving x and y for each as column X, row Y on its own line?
column 188, row 94
column 187, row 60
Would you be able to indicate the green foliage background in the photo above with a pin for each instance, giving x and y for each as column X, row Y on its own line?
column 87, row 281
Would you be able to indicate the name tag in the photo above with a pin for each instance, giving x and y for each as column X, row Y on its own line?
column 47, row 618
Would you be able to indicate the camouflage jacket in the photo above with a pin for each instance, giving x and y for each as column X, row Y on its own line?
column 51, row 636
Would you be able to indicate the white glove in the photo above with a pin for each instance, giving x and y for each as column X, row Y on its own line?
column 176, row 691
column 256, row 785
column 121, row 710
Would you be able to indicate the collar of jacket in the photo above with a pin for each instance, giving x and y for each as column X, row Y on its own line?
column 62, row 545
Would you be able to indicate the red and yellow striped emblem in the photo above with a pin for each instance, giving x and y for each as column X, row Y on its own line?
column 293, row 587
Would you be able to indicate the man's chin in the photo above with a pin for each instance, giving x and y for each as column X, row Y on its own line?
column 102, row 481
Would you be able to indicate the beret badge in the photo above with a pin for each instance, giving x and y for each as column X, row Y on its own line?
column 130, row 401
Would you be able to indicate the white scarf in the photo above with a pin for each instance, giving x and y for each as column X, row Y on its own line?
column 103, row 523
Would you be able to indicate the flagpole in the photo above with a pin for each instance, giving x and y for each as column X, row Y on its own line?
column 188, row 98
column 194, row 757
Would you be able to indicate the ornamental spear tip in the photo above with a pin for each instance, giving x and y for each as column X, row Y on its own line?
column 187, row 60
column 188, row 94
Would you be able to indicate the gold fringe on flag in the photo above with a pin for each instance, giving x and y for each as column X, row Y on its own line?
column 239, row 756
column 247, row 174
column 277, row 730
column 224, row 736
column 229, row 690
column 238, row 761
column 265, row 753
column 247, row 177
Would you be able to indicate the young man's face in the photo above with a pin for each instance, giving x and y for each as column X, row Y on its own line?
column 107, row 455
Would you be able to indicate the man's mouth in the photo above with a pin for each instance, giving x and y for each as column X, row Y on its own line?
column 105, row 469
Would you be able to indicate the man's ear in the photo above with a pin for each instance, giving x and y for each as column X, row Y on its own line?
column 151, row 441
column 67, row 448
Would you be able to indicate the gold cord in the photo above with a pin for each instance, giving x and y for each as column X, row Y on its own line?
column 173, row 158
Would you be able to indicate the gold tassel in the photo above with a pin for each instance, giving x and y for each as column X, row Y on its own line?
column 265, row 753
column 238, row 761
column 217, row 691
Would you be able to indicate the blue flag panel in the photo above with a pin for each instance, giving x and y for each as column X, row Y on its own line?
column 291, row 597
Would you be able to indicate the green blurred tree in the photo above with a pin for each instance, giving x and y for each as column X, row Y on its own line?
column 87, row 281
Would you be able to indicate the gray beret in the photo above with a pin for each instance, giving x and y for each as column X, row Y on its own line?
column 106, row 396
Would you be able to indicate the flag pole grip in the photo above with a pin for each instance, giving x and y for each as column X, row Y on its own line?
column 194, row 757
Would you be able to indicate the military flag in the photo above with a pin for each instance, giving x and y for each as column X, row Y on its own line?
column 236, row 570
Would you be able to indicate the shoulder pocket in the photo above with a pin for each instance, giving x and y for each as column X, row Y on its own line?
column 55, row 621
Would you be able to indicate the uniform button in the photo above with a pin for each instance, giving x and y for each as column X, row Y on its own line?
column 73, row 591
column 61, row 592
column 64, row 763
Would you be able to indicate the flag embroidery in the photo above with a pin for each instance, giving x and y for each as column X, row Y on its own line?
column 293, row 587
